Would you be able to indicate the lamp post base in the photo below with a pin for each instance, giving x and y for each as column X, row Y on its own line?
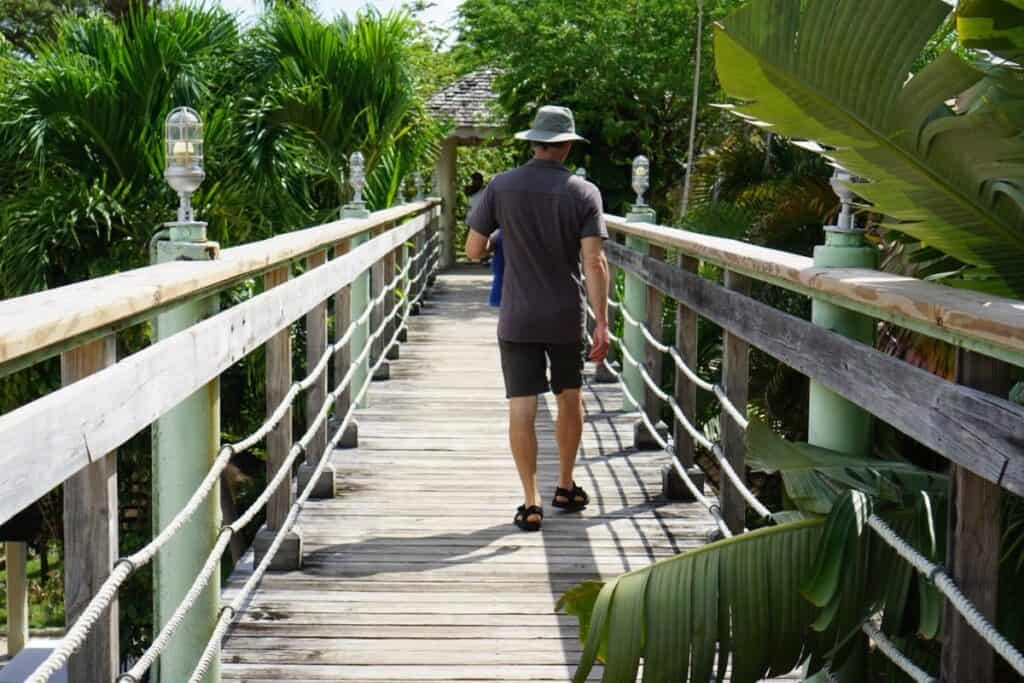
column 673, row 487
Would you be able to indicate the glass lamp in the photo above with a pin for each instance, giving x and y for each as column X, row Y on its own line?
column 641, row 178
column 183, row 171
column 357, row 175
column 840, row 182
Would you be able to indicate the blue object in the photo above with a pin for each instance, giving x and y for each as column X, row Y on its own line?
column 498, row 267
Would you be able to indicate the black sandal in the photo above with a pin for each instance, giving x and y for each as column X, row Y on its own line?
column 575, row 499
column 523, row 514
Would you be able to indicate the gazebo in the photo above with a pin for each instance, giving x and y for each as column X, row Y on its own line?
column 468, row 105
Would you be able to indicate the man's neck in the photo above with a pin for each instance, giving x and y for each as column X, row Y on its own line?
column 549, row 155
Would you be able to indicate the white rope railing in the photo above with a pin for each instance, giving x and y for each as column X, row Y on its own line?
column 126, row 566
column 228, row 612
column 892, row 653
column 936, row 574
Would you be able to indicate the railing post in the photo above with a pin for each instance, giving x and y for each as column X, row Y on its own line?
column 279, row 443
column 90, row 533
column 686, row 396
column 360, row 303
column 186, row 441
column 418, row 266
column 974, row 540
column 638, row 304
column 343, row 358
column 378, row 281
column 316, row 346
column 391, row 264
column 16, row 557
column 404, row 254
column 735, row 381
column 653, row 361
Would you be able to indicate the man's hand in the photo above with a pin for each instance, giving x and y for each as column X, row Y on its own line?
column 599, row 348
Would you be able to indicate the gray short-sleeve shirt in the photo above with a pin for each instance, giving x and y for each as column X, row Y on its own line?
column 544, row 212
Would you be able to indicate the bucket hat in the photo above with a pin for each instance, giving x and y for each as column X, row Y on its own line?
column 552, row 124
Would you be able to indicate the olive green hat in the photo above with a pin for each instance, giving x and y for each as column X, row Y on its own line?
column 553, row 125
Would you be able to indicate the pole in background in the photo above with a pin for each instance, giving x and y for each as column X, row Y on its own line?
column 361, row 285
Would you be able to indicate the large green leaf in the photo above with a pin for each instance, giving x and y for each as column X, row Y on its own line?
column 995, row 25
column 815, row 477
column 736, row 599
column 835, row 71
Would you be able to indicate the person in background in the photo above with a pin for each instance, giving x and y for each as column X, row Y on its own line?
column 474, row 191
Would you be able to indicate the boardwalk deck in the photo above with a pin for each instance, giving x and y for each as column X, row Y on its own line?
column 414, row 572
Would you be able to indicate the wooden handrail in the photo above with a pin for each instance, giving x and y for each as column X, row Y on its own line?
column 41, row 325
column 991, row 325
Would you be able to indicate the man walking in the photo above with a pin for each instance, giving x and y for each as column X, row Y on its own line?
column 550, row 220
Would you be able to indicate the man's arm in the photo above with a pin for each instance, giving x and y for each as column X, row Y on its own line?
column 595, row 266
column 476, row 245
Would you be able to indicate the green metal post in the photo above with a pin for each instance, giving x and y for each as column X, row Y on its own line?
column 636, row 305
column 185, row 443
column 360, row 302
column 834, row 422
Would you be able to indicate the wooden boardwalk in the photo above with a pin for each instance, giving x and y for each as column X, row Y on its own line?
column 415, row 571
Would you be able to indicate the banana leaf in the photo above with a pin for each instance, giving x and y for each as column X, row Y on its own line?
column 835, row 71
column 686, row 617
column 994, row 25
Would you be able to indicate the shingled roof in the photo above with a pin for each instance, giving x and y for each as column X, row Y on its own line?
column 468, row 101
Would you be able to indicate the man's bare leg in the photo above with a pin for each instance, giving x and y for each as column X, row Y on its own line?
column 569, row 431
column 522, row 437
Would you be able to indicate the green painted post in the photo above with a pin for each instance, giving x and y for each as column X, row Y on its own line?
column 834, row 422
column 360, row 302
column 185, row 443
column 636, row 305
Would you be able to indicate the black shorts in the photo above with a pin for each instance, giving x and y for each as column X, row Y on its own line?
column 525, row 366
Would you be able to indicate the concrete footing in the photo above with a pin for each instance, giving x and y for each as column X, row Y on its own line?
column 350, row 439
column 324, row 487
column 288, row 556
column 415, row 308
column 642, row 439
column 605, row 376
column 673, row 487
column 394, row 351
column 383, row 372
column 403, row 335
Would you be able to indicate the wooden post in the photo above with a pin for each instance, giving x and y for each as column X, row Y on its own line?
column 445, row 175
column 379, row 279
column 343, row 356
column 316, row 346
column 391, row 264
column 735, row 380
column 686, row 396
column 635, row 303
column 279, row 442
column 653, row 358
column 90, row 532
column 602, row 375
column 975, row 536
column 16, row 554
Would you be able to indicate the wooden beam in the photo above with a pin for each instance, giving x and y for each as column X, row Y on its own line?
column 16, row 557
column 736, row 382
column 316, row 346
column 989, row 324
column 342, row 321
column 90, row 532
column 445, row 176
column 279, row 381
column 101, row 412
column 41, row 325
column 969, row 427
column 974, row 540
column 654, row 359
column 685, row 390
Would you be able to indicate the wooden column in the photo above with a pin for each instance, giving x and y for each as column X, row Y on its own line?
column 685, row 390
column 378, row 281
column 316, row 394
column 975, row 535
column 279, row 442
column 16, row 557
column 90, row 532
column 391, row 261
column 602, row 375
column 445, row 176
column 654, row 359
column 342, row 321
column 735, row 379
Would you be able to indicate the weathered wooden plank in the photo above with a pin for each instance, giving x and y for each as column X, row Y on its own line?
column 101, row 412
column 279, row 381
column 685, row 390
column 316, row 346
column 736, row 381
column 988, row 324
column 90, row 532
column 974, row 541
column 973, row 429
column 64, row 315
column 16, row 559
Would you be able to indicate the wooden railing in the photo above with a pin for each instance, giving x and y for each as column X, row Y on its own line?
column 971, row 423
column 70, row 436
